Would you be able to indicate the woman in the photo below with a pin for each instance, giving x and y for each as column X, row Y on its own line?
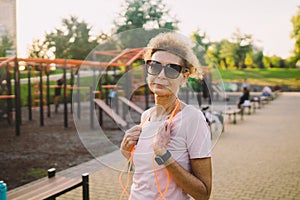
column 171, row 147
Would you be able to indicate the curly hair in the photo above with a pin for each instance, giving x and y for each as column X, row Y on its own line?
column 176, row 44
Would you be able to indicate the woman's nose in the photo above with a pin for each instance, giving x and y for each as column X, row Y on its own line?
column 162, row 73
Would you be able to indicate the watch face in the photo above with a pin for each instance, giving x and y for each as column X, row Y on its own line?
column 159, row 160
column 162, row 159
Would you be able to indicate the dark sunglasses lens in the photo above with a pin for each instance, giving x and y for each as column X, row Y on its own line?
column 173, row 71
column 153, row 67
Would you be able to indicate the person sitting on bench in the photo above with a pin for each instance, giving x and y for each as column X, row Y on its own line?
column 244, row 97
column 266, row 91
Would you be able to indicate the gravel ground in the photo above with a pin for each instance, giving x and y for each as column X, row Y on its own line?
column 27, row 157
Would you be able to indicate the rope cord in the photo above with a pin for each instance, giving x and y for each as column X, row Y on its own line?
column 130, row 163
column 124, row 188
column 162, row 194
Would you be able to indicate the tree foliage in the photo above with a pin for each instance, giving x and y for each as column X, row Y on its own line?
column 39, row 49
column 242, row 45
column 144, row 14
column 5, row 44
column 237, row 52
column 72, row 41
column 202, row 44
column 258, row 59
column 141, row 20
column 296, row 35
column 138, row 22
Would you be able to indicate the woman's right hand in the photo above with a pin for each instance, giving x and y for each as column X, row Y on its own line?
column 130, row 139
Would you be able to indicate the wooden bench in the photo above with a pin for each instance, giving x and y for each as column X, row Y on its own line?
column 131, row 105
column 100, row 103
column 233, row 112
column 256, row 102
column 50, row 188
column 264, row 100
column 248, row 105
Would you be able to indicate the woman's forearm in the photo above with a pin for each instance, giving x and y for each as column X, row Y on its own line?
column 190, row 183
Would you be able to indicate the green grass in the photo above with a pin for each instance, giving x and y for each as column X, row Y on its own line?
column 24, row 92
column 282, row 77
column 84, row 93
column 272, row 77
column 36, row 172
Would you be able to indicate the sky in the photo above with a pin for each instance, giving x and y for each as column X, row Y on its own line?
column 268, row 21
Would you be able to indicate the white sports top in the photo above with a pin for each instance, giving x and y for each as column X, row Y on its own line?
column 190, row 139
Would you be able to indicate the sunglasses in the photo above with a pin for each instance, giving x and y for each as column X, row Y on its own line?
column 172, row 71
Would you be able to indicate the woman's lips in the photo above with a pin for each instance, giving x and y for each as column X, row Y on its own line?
column 159, row 85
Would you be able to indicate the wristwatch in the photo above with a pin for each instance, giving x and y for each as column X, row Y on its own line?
column 160, row 160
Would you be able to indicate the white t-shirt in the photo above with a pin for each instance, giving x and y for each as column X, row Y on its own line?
column 190, row 139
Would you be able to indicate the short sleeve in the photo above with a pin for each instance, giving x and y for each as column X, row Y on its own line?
column 145, row 114
column 197, row 135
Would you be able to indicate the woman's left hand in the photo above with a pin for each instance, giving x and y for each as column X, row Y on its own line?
column 161, row 139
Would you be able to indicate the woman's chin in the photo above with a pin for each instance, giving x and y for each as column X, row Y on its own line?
column 162, row 93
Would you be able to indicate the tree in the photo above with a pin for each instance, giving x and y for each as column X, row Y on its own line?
column 242, row 44
column 202, row 44
column 296, row 35
column 212, row 57
column 232, row 52
column 249, row 62
column 144, row 14
column 6, row 44
column 228, row 54
column 258, row 59
column 273, row 61
column 72, row 41
column 39, row 49
column 141, row 20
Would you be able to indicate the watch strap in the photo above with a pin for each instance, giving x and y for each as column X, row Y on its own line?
column 160, row 160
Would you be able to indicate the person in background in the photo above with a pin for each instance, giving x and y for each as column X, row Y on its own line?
column 245, row 84
column 196, row 85
column 57, row 93
column 266, row 91
column 171, row 147
column 112, row 97
column 245, row 96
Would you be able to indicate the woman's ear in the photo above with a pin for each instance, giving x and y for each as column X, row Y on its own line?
column 186, row 75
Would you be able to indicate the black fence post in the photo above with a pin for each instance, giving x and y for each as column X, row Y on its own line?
column 9, row 92
column 29, row 97
column 116, row 100
column 78, row 96
column 85, row 186
column 91, row 108
column 41, row 96
column 48, row 91
column 72, row 84
column 65, row 96
column 106, row 83
column 18, row 97
column 100, row 113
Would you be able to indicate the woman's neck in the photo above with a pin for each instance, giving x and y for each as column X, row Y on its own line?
column 164, row 105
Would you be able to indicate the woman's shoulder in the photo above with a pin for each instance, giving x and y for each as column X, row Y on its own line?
column 191, row 111
column 191, row 108
column 146, row 113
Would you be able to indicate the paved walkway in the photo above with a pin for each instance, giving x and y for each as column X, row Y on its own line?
column 258, row 158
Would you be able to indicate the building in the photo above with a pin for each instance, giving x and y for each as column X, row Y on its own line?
column 8, row 22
